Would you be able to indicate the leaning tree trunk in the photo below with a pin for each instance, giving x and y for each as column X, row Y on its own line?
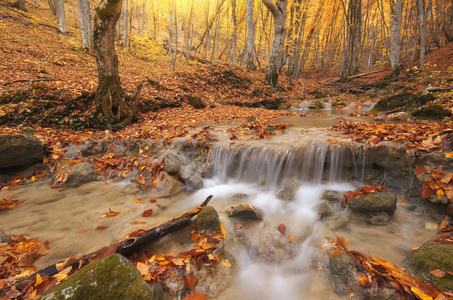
column 110, row 95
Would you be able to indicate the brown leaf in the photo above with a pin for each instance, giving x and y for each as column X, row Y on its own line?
column 147, row 213
column 101, row 227
column 438, row 273
column 238, row 226
column 190, row 281
column 153, row 200
column 196, row 297
column 282, row 228
column 426, row 192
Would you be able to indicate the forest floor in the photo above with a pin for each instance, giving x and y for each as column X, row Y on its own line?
column 47, row 82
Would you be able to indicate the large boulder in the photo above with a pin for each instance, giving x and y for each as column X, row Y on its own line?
column 208, row 220
column 80, row 174
column 113, row 277
column 18, row 150
column 429, row 257
column 373, row 202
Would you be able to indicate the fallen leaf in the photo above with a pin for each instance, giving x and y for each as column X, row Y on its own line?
column 147, row 213
column 137, row 222
column 290, row 238
column 81, row 230
column 190, row 281
column 153, row 200
column 438, row 273
column 138, row 200
column 143, row 268
column 238, row 226
column 110, row 213
column 282, row 228
column 335, row 252
column 196, row 297
column 363, row 280
column 101, row 227
column 226, row 263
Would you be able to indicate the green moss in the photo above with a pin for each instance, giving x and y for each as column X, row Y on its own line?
column 338, row 102
column 432, row 255
column 432, row 111
column 407, row 101
column 208, row 220
column 113, row 277
column 317, row 104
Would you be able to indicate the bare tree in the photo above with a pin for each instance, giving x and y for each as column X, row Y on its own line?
column 62, row 17
column 423, row 31
column 125, row 23
column 351, row 49
column 110, row 99
column 250, row 36
column 278, row 10
column 395, row 40
column 85, row 23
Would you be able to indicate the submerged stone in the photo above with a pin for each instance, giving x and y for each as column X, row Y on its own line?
column 113, row 277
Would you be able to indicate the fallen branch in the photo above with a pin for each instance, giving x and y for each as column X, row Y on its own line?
column 432, row 89
column 125, row 247
column 355, row 76
column 30, row 82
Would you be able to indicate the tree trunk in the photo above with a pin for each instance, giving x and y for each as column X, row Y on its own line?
column 395, row 41
column 173, row 62
column 110, row 96
column 125, row 24
column 233, row 17
column 53, row 7
column 62, row 17
column 352, row 41
column 85, row 23
column 250, row 36
column 278, row 10
column 21, row 4
column 423, row 33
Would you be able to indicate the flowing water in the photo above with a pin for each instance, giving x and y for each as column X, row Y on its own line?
column 70, row 218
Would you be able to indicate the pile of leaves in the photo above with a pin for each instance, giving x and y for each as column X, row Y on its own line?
column 157, row 267
column 376, row 272
column 424, row 136
column 438, row 183
column 7, row 203
column 362, row 191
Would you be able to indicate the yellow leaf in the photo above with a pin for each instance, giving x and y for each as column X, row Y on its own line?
column 38, row 280
column 448, row 154
column 420, row 294
column 60, row 277
column 226, row 263
column 22, row 275
column 223, row 231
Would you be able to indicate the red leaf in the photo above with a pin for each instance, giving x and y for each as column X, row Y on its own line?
column 101, row 227
column 196, row 297
column 282, row 228
column 368, row 188
column 153, row 200
column 147, row 213
column 238, row 226
column 190, row 281
column 426, row 192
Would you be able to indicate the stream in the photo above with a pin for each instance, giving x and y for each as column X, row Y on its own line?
column 70, row 218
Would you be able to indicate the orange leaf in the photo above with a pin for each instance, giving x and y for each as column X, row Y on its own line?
column 190, row 281
column 238, row 226
column 141, row 179
column 138, row 200
column 282, row 228
column 153, row 200
column 426, row 192
column 335, row 252
column 438, row 273
column 290, row 238
column 147, row 213
column 196, row 297
column 363, row 279
column 101, row 227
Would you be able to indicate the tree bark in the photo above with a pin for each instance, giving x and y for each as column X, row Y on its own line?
column 125, row 24
column 278, row 10
column 85, row 23
column 62, row 17
column 352, row 42
column 423, row 31
column 110, row 96
column 250, row 36
column 395, row 41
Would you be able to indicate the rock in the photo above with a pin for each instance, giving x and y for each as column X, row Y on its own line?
column 373, row 202
column 4, row 238
column 19, row 150
column 398, row 117
column 168, row 186
column 345, row 281
column 286, row 195
column 196, row 102
column 113, row 277
column 94, row 147
column 404, row 100
column 190, row 177
column 325, row 210
column 368, row 105
column 172, row 165
column 208, row 220
column 80, row 174
column 378, row 119
column 431, row 111
column 4, row 178
column 431, row 256
column 332, row 196
column 380, row 218
column 246, row 212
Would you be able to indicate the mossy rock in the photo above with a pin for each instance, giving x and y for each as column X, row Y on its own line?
column 431, row 111
column 196, row 102
column 339, row 102
column 113, row 277
column 208, row 220
column 431, row 256
column 319, row 94
column 405, row 100
column 373, row 202
column 316, row 104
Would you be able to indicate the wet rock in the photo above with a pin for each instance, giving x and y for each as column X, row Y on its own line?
column 4, row 238
column 172, row 165
column 113, row 277
column 373, row 202
column 289, row 189
column 398, row 117
column 4, row 178
column 238, row 199
column 80, row 174
column 246, row 212
column 325, row 210
column 208, row 220
column 345, row 281
column 168, row 186
column 368, row 105
column 190, row 177
column 431, row 256
column 431, row 111
column 332, row 196
column 19, row 150
column 380, row 218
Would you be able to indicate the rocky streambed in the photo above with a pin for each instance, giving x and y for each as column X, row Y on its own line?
column 295, row 180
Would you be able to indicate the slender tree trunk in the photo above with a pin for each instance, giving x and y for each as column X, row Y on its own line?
column 278, row 10
column 235, row 34
column 250, row 36
column 395, row 41
column 125, row 23
column 53, row 7
column 423, row 31
column 85, row 22
column 173, row 62
column 62, row 17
